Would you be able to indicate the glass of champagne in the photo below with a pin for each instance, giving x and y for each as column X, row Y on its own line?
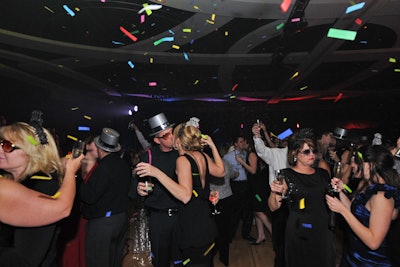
column 213, row 200
column 280, row 178
column 77, row 148
column 338, row 171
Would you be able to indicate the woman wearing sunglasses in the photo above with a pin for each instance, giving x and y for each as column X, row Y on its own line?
column 30, row 193
column 308, row 240
column 372, row 210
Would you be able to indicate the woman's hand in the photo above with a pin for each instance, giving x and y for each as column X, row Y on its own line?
column 207, row 140
column 335, row 204
column 256, row 130
column 337, row 184
column 277, row 187
column 239, row 159
column 145, row 169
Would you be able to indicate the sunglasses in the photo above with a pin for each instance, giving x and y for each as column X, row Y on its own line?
column 308, row 151
column 7, row 146
column 165, row 136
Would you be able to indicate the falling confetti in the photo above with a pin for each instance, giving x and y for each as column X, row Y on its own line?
column 186, row 261
column 69, row 11
column 392, row 60
column 152, row 84
column 130, row 35
column 149, row 8
column 164, row 39
column 284, row 134
column 338, row 97
column 342, row 34
column 306, row 225
column 285, row 5
column 185, row 55
column 358, row 21
column 186, row 30
column 87, row 117
column 302, row 204
column 355, row 7
column 195, row 193
column 258, row 198
column 56, row 195
column 131, row 64
column 294, row 75
column 72, row 137
column 48, row 9
column 176, row 47
column 234, row 87
column 209, row 249
column 347, row 188
column 32, row 140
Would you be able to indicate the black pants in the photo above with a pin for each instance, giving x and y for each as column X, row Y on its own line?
column 164, row 246
column 278, row 221
column 242, row 208
column 105, row 240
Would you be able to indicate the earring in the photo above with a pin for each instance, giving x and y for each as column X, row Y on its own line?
column 294, row 159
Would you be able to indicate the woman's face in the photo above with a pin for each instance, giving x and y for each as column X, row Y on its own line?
column 306, row 155
column 14, row 162
column 366, row 170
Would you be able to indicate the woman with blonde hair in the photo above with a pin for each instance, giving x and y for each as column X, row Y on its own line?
column 30, row 157
column 196, row 227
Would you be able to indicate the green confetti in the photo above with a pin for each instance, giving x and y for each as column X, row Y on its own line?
column 258, row 198
column 280, row 26
column 392, row 60
column 186, row 261
column 348, row 189
column 32, row 140
column 342, row 34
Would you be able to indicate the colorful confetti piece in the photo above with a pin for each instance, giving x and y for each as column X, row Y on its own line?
column 280, row 26
column 69, row 11
column 186, row 261
column 209, row 249
column 130, row 35
column 285, row 5
column 342, row 34
column 234, row 87
column 195, row 193
column 284, row 134
column 148, row 8
column 347, row 188
column 56, row 195
column 302, row 204
column 355, row 7
column 392, row 60
column 152, row 84
column 358, row 21
column 185, row 55
column 258, row 198
column 32, row 140
column 130, row 63
column 164, row 39
column 87, row 117
column 72, row 137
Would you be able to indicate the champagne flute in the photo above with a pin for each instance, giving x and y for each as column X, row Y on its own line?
column 337, row 172
column 280, row 177
column 213, row 199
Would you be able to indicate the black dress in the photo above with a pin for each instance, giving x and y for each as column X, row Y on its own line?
column 309, row 242
column 259, row 188
column 196, row 226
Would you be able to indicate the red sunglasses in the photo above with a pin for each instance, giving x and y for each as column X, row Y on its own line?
column 7, row 146
column 165, row 136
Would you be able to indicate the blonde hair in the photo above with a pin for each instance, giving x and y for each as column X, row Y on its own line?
column 42, row 158
column 189, row 136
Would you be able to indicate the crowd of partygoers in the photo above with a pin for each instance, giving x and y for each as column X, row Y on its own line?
column 181, row 199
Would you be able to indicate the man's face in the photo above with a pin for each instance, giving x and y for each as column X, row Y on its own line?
column 165, row 139
column 240, row 144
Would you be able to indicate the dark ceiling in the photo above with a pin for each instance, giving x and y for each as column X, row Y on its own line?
column 227, row 62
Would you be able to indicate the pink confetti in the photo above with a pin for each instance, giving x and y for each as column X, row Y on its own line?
column 285, row 5
column 358, row 21
column 142, row 18
column 234, row 87
column 152, row 84
column 295, row 20
column 339, row 96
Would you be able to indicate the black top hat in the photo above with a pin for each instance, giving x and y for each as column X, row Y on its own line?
column 108, row 140
column 159, row 123
column 340, row 133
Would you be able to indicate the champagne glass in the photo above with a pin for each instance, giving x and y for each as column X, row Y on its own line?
column 77, row 148
column 280, row 177
column 213, row 199
column 337, row 172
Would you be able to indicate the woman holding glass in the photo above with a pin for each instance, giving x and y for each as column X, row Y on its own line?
column 309, row 242
column 196, row 227
column 372, row 210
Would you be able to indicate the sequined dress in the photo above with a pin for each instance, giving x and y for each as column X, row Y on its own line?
column 357, row 253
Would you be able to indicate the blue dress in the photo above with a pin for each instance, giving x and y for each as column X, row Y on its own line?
column 358, row 254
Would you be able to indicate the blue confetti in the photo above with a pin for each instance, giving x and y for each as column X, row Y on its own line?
column 178, row 262
column 171, row 32
column 108, row 214
column 186, row 56
column 306, row 225
column 355, row 7
column 118, row 43
column 131, row 64
column 69, row 11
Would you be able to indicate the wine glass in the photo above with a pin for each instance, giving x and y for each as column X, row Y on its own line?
column 280, row 177
column 337, row 172
column 213, row 199
column 77, row 148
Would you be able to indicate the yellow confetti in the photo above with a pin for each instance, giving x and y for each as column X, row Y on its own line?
column 176, row 46
column 186, row 261
column 72, row 137
column 213, row 17
column 302, row 203
column 196, row 82
column 151, row 60
column 226, row 33
column 47, row 8
column 209, row 21
column 284, row 119
column 32, row 140
column 392, row 60
column 56, row 195
column 148, row 11
column 186, row 30
column 87, row 117
column 74, row 108
column 209, row 249
column 77, row 9
column 196, row 7
column 195, row 193
column 304, row 87
column 294, row 75
column 396, row 70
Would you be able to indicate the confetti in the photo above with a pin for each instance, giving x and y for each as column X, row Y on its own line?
column 195, row 193
column 164, row 39
column 56, row 195
column 203, row 136
column 108, row 214
column 280, row 25
column 149, row 8
column 142, row 18
column 186, row 261
column 87, row 117
column 295, row 20
column 151, row 60
column 118, row 43
column 359, row 154
column 284, row 134
column 355, row 7
column 294, row 75
column 72, row 137
column 171, row 32
column 396, row 70
column 392, row 60
column 212, row 17
column 152, row 84
column 226, row 33
column 342, row 34
column 347, row 188
column 74, row 108
column 185, row 55
column 48, row 9
column 306, row 225
column 285, row 5
column 69, row 11
column 234, row 87
column 338, row 97
column 210, row 21
column 176, row 47
column 32, row 140
column 196, row 7
column 196, row 82
column 258, row 198
column 186, row 30
column 130, row 63
column 178, row 262
column 302, row 204
column 209, row 249
column 358, row 21
column 130, row 35
column 284, row 119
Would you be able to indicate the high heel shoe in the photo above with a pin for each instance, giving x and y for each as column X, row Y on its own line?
column 255, row 243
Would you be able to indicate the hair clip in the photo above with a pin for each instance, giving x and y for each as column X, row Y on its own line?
column 36, row 122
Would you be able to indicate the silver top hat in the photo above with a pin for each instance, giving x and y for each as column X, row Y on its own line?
column 159, row 123
column 108, row 140
column 340, row 133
